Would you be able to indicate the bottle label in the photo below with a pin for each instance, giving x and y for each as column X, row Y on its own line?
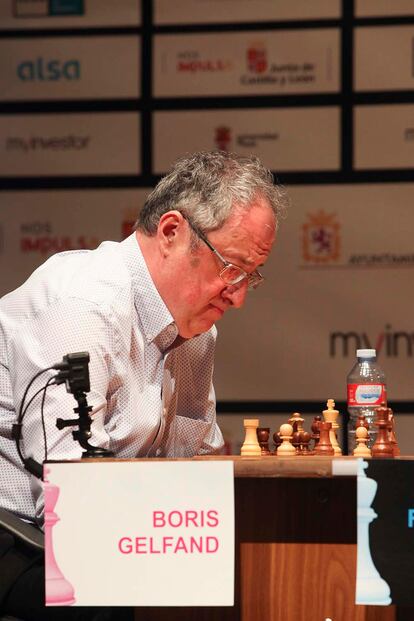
column 366, row 394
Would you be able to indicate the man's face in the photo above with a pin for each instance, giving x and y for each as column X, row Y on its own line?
column 197, row 296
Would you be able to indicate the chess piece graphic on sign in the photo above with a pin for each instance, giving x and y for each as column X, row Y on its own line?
column 362, row 449
column 330, row 416
column 286, row 448
column 371, row 588
column 59, row 592
column 251, row 446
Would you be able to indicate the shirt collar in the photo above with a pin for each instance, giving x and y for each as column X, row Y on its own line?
column 157, row 322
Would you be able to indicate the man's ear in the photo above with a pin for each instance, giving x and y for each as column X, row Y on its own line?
column 170, row 230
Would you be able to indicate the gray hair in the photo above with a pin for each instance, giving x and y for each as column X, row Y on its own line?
column 206, row 186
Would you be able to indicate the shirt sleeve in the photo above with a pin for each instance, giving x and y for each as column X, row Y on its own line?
column 193, row 428
column 64, row 327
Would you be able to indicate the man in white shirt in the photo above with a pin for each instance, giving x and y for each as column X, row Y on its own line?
column 145, row 311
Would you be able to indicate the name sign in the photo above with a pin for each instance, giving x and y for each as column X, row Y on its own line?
column 139, row 533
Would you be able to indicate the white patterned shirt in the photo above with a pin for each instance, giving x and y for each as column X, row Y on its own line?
column 147, row 401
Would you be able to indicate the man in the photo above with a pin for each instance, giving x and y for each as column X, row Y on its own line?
column 145, row 311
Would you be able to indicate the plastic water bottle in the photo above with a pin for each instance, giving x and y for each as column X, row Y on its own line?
column 366, row 391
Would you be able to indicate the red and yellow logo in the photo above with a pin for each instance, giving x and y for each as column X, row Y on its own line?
column 321, row 242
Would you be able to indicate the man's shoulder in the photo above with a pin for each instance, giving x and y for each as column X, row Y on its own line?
column 97, row 277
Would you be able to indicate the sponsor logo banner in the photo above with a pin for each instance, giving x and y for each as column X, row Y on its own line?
column 304, row 61
column 37, row 224
column 30, row 14
column 168, row 540
column 70, row 144
column 69, row 68
column 223, row 11
column 44, row 8
column 384, row 58
column 285, row 139
column 384, row 136
column 339, row 279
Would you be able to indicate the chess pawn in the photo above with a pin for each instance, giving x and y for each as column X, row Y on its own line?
column 251, row 446
column 382, row 447
column 277, row 440
column 304, row 443
column 296, row 437
column 330, row 415
column 315, row 430
column 362, row 450
column 391, row 434
column 362, row 422
column 286, row 448
column 324, row 446
column 263, row 434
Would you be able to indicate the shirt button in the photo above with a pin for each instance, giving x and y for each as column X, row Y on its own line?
column 158, row 452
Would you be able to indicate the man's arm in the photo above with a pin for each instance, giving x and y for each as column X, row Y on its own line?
column 64, row 327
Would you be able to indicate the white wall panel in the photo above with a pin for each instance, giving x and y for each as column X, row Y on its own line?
column 285, row 139
column 383, row 8
column 384, row 58
column 224, row 11
column 384, row 136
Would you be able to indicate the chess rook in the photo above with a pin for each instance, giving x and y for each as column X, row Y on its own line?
column 251, row 446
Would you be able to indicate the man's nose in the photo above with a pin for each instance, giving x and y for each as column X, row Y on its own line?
column 236, row 294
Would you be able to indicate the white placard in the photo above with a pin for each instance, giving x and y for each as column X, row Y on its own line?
column 340, row 278
column 384, row 58
column 36, row 224
column 224, row 11
column 70, row 144
column 22, row 14
column 296, row 61
column 69, row 68
column 284, row 139
column 146, row 533
column 384, row 136
column 374, row 8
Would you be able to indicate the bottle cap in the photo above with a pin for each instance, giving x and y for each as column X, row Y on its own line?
column 366, row 353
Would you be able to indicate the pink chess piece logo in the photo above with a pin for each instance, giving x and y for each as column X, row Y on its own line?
column 59, row 592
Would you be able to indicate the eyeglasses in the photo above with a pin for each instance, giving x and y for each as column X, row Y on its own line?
column 230, row 274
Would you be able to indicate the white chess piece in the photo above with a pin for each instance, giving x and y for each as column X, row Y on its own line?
column 330, row 415
column 251, row 446
column 362, row 450
column 370, row 588
column 286, row 448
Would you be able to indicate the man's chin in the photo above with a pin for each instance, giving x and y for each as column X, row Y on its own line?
column 189, row 332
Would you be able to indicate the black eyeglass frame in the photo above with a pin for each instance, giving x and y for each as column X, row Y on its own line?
column 254, row 279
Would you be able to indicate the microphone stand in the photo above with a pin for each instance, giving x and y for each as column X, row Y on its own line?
column 84, row 422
